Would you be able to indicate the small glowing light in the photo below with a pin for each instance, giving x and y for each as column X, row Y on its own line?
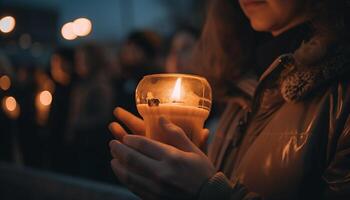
column 45, row 98
column 5, row 83
column 67, row 31
column 11, row 107
column 25, row 41
column 7, row 24
column 82, row 26
column 176, row 95
column 10, row 103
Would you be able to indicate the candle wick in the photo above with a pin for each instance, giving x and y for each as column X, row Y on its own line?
column 153, row 102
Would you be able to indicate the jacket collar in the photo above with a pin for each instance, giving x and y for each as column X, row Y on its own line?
column 297, row 80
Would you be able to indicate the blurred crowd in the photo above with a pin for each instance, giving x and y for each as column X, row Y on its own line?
column 56, row 117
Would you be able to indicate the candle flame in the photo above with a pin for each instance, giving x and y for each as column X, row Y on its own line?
column 176, row 95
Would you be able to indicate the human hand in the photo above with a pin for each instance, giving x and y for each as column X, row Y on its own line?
column 137, row 126
column 155, row 170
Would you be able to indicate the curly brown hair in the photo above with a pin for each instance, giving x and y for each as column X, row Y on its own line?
column 226, row 47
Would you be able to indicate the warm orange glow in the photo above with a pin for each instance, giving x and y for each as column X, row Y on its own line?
column 45, row 98
column 10, row 103
column 7, row 24
column 176, row 95
column 43, row 101
column 82, row 27
column 11, row 107
column 57, row 71
column 67, row 31
column 5, row 83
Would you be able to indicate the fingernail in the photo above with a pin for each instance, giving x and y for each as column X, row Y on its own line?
column 110, row 126
column 116, row 111
column 113, row 142
column 110, row 143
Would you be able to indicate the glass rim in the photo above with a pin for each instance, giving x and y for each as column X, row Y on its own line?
column 178, row 75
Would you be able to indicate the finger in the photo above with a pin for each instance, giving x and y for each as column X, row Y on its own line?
column 176, row 136
column 148, row 147
column 204, row 139
column 135, row 124
column 117, row 130
column 142, row 186
column 132, row 159
column 112, row 151
column 136, row 183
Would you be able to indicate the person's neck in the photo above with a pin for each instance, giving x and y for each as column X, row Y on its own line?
column 271, row 47
column 292, row 24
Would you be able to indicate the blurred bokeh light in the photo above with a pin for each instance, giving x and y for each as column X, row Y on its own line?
column 10, row 107
column 5, row 82
column 45, row 98
column 7, row 24
column 68, row 32
column 10, row 103
column 25, row 40
column 82, row 27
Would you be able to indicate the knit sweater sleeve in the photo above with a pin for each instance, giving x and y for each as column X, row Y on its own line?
column 219, row 187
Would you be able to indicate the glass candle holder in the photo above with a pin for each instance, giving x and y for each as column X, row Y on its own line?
column 183, row 99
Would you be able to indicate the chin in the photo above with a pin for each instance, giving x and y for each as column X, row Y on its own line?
column 262, row 25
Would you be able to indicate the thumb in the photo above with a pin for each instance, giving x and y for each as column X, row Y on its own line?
column 176, row 136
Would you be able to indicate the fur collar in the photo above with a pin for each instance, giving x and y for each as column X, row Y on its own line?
column 303, row 74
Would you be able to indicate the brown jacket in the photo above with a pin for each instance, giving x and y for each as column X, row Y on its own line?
column 293, row 142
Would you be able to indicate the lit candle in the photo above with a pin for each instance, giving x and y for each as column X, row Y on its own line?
column 185, row 100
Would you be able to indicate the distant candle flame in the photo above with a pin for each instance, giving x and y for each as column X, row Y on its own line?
column 11, row 107
column 5, row 83
column 45, row 98
column 176, row 95
column 10, row 104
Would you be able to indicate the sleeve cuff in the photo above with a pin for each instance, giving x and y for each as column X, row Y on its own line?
column 217, row 187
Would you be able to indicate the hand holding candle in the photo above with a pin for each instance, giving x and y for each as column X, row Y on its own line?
column 174, row 108
column 185, row 100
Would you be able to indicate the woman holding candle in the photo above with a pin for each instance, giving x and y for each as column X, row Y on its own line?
column 290, row 140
